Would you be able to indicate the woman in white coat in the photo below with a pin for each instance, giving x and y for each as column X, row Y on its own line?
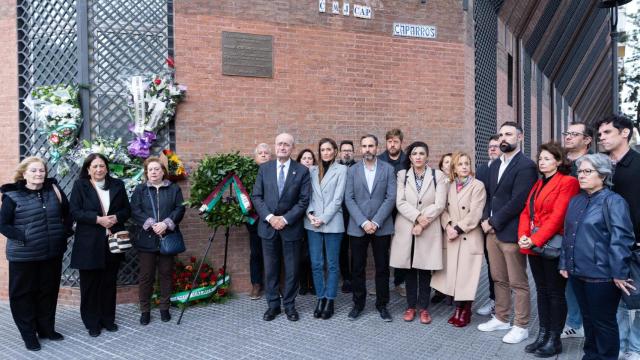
column 325, row 225
column 464, row 239
column 417, row 242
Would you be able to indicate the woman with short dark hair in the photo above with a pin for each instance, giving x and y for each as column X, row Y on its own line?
column 100, row 207
column 35, row 219
column 157, row 209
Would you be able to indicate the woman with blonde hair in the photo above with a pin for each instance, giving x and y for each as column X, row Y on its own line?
column 35, row 219
column 464, row 239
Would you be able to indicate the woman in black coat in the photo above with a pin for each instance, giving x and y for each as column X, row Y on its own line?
column 100, row 206
column 35, row 219
column 157, row 209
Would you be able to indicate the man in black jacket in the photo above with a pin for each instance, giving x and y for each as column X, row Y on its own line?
column 614, row 134
column 510, row 181
column 346, row 157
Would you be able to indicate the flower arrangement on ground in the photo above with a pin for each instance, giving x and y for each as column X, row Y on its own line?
column 152, row 101
column 210, row 285
column 57, row 113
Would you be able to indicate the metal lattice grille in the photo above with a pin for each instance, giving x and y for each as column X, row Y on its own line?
column 539, row 87
column 94, row 43
column 486, row 35
column 526, row 108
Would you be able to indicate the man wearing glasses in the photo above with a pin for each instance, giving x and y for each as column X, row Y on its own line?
column 577, row 140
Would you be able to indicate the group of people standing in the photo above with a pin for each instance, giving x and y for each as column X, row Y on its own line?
column 37, row 219
column 574, row 217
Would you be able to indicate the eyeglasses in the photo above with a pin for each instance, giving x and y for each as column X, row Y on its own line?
column 347, row 151
column 586, row 172
column 572, row 134
column 494, row 146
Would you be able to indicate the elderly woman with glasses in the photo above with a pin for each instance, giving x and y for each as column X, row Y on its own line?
column 598, row 235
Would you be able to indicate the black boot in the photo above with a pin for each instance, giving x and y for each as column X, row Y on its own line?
column 317, row 313
column 327, row 313
column 543, row 336
column 551, row 347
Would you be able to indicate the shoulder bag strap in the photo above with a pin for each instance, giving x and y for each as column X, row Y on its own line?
column 153, row 206
column 57, row 191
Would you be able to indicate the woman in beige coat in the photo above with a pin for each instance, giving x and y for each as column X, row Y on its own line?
column 417, row 242
column 464, row 239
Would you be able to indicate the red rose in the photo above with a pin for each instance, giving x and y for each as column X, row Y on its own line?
column 54, row 139
column 222, row 292
column 203, row 275
column 192, row 259
column 157, row 81
column 170, row 62
column 213, row 278
column 221, row 271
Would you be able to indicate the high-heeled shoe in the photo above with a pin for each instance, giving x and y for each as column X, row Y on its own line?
column 327, row 313
column 465, row 315
column 317, row 313
column 456, row 315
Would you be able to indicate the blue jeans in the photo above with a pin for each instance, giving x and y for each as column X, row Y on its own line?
column 331, row 243
column 598, row 303
column 574, row 318
column 629, row 331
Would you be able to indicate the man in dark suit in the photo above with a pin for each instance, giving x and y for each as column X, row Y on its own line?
column 482, row 174
column 346, row 158
column 281, row 196
column 510, row 181
column 370, row 196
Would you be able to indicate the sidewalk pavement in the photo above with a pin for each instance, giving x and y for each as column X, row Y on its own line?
column 235, row 330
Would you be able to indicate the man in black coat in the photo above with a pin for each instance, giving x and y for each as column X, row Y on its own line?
column 614, row 134
column 346, row 158
column 510, row 181
column 482, row 174
column 281, row 196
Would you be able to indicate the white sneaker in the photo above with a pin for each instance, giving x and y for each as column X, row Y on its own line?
column 488, row 308
column 515, row 335
column 623, row 355
column 493, row 325
column 569, row 332
column 633, row 356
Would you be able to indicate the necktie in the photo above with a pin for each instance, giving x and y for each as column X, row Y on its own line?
column 281, row 180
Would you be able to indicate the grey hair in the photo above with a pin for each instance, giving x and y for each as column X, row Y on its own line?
column 601, row 163
column 261, row 146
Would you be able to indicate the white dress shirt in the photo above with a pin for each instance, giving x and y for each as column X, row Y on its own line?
column 504, row 163
column 286, row 171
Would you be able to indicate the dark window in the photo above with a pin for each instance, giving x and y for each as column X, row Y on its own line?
column 509, row 79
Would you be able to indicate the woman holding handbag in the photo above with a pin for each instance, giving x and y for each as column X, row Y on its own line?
column 417, row 242
column 36, row 221
column 157, row 209
column 100, row 207
column 541, row 225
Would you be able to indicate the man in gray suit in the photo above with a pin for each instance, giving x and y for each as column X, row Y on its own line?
column 281, row 196
column 370, row 196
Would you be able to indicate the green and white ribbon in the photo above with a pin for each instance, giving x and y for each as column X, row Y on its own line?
column 198, row 293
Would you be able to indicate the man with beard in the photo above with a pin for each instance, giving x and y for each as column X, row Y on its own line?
column 614, row 134
column 346, row 157
column 395, row 157
column 510, row 181
column 370, row 196
column 482, row 174
column 577, row 140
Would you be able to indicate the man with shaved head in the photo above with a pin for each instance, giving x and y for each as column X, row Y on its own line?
column 281, row 196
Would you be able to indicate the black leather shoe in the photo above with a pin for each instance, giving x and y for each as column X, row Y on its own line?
column 438, row 297
column 32, row 343
column 346, row 286
column 384, row 314
column 271, row 314
column 327, row 313
column 551, row 347
column 165, row 315
column 317, row 313
column 54, row 336
column 292, row 314
column 543, row 336
column 354, row 313
column 94, row 332
column 145, row 318
column 111, row 327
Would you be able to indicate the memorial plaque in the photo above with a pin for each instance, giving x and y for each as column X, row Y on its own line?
column 247, row 54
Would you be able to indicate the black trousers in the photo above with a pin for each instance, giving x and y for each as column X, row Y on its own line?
column 550, row 288
column 149, row 262
column 256, row 262
column 273, row 250
column 418, row 284
column 380, row 247
column 304, row 269
column 33, row 295
column 492, row 294
column 98, row 294
column 345, row 263
column 598, row 305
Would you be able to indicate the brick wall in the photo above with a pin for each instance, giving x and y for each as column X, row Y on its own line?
column 8, row 113
column 333, row 76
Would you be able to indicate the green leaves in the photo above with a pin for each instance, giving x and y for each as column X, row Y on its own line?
column 211, row 170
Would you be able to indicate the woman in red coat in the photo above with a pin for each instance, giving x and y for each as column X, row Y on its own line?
column 541, row 220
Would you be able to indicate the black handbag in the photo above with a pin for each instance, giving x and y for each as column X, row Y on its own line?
column 550, row 250
column 173, row 242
